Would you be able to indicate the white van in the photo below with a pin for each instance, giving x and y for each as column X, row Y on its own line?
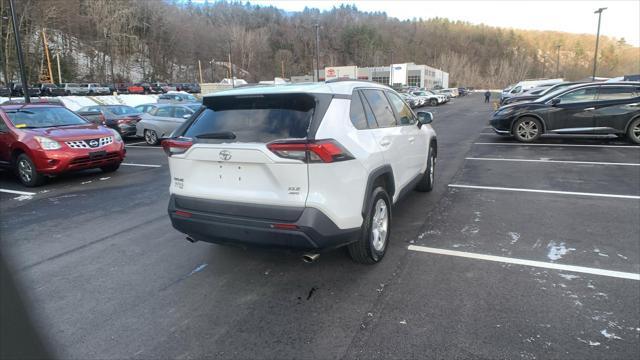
column 525, row 85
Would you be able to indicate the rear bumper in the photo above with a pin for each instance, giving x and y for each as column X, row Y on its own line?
column 217, row 222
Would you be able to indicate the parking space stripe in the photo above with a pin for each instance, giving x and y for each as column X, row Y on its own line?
column 16, row 192
column 142, row 165
column 556, row 161
column 542, row 264
column 544, row 191
column 142, row 147
column 561, row 145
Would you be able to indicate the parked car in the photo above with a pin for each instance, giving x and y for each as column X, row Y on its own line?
column 121, row 88
column 162, row 119
column 145, row 108
column 309, row 168
column 412, row 100
column 591, row 108
column 5, row 91
column 538, row 92
column 429, row 97
column 157, row 88
column 135, row 89
column 121, row 118
column 16, row 90
column 43, row 140
column 75, row 89
column 176, row 97
column 97, row 89
column 463, row 91
column 50, row 90
column 525, row 85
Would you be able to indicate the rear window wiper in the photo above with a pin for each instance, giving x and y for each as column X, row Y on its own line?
column 217, row 135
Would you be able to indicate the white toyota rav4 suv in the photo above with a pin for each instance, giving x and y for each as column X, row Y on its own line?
column 307, row 167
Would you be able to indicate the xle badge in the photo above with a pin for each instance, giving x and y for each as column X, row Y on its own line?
column 294, row 190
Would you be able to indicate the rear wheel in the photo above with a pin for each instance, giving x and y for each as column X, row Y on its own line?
column 110, row 168
column 433, row 102
column 27, row 172
column 374, row 236
column 527, row 129
column 150, row 137
column 633, row 133
column 428, row 178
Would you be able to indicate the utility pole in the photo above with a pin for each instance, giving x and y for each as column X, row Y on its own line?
column 16, row 33
column 212, row 72
column 46, row 52
column 595, row 56
column 200, row 70
column 544, row 63
column 233, row 81
column 113, row 79
column 391, row 70
column 282, row 67
column 59, row 73
column 317, row 26
column 557, row 60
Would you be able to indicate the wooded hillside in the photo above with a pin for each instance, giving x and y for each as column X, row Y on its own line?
column 163, row 41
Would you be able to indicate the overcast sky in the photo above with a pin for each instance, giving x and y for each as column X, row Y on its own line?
column 621, row 19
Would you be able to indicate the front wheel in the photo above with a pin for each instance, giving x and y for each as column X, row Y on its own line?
column 110, row 168
column 527, row 129
column 634, row 131
column 150, row 137
column 433, row 102
column 27, row 172
column 428, row 178
column 374, row 237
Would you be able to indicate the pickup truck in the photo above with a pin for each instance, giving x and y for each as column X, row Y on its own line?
column 97, row 89
column 75, row 89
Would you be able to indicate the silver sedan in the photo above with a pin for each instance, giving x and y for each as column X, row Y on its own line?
column 160, row 120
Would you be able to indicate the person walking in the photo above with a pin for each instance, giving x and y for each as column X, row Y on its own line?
column 487, row 96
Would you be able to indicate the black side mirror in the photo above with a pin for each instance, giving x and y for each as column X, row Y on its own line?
column 425, row 117
column 555, row 101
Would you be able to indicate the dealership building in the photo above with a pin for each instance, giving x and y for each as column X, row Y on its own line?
column 407, row 74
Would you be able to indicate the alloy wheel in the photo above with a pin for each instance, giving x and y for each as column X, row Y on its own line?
column 380, row 225
column 527, row 130
column 636, row 132
column 150, row 137
column 25, row 171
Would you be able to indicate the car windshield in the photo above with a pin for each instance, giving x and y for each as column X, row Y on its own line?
column 43, row 117
column 122, row 110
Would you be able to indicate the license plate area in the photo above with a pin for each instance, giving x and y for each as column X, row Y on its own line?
column 97, row 154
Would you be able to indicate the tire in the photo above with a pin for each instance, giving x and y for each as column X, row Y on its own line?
column 374, row 236
column 27, row 173
column 110, row 168
column 433, row 102
column 527, row 129
column 428, row 178
column 633, row 133
column 67, row 93
column 150, row 137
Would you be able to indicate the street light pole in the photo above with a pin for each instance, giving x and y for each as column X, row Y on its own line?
column 595, row 56
column 317, row 26
column 557, row 60
column 16, row 33
column 233, row 81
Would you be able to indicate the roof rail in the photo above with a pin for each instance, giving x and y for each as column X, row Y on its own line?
column 353, row 80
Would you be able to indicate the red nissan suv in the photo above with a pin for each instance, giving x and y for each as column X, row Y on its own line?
column 40, row 140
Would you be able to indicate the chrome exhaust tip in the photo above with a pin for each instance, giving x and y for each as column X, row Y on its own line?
column 309, row 258
column 191, row 240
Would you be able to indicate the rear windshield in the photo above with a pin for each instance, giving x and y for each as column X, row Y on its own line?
column 42, row 117
column 122, row 110
column 256, row 119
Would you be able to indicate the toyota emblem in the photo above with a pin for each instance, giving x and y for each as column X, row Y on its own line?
column 93, row 143
column 224, row 155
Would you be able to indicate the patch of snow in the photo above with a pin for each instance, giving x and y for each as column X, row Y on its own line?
column 569, row 277
column 610, row 335
column 514, row 237
column 470, row 229
column 23, row 197
column 557, row 250
column 622, row 256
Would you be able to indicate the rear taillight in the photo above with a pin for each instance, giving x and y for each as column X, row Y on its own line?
column 176, row 146
column 312, row 151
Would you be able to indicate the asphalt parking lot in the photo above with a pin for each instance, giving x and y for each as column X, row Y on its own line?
column 521, row 251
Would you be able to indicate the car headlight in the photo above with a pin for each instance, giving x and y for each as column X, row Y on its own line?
column 116, row 135
column 47, row 144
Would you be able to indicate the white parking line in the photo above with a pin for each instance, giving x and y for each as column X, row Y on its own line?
column 562, row 145
column 143, row 165
column 542, row 264
column 16, row 192
column 556, row 161
column 143, row 147
column 545, row 191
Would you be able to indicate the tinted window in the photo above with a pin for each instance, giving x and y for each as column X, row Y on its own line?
column 260, row 118
column 356, row 113
column 163, row 111
column 180, row 112
column 380, row 107
column 616, row 93
column 121, row 110
column 403, row 112
column 580, row 95
column 3, row 126
column 41, row 117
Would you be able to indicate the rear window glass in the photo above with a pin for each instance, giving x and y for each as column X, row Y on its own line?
column 259, row 119
column 122, row 110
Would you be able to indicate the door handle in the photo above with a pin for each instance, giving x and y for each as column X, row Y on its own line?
column 412, row 139
column 385, row 142
column 589, row 109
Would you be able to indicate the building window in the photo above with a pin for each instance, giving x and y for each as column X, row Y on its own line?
column 381, row 79
column 413, row 80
